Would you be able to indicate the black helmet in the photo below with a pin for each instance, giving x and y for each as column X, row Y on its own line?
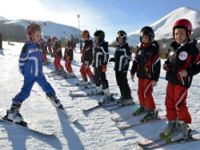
column 100, row 34
column 147, row 31
column 122, row 34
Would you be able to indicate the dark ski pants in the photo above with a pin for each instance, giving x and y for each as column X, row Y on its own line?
column 122, row 82
column 100, row 78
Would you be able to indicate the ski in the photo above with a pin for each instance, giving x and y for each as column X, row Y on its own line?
column 82, row 89
column 138, row 123
column 119, row 106
column 88, row 93
column 26, row 127
column 122, row 118
column 78, row 85
column 111, row 105
column 158, row 143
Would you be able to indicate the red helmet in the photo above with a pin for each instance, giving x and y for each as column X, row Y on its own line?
column 32, row 28
column 183, row 23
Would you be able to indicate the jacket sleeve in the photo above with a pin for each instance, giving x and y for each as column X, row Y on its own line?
column 23, row 59
column 105, row 53
column 156, row 64
column 195, row 68
column 135, row 63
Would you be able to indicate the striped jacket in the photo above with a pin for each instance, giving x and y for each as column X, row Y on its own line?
column 30, row 61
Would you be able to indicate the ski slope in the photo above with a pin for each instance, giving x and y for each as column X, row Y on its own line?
column 92, row 131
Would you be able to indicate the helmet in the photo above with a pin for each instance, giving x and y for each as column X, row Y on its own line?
column 32, row 28
column 147, row 30
column 185, row 24
column 85, row 33
column 100, row 34
column 122, row 34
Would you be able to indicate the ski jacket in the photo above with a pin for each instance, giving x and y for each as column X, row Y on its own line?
column 182, row 57
column 101, row 55
column 58, row 49
column 86, row 50
column 122, row 57
column 30, row 61
column 147, row 62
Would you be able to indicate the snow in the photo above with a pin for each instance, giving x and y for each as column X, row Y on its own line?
column 163, row 27
column 92, row 131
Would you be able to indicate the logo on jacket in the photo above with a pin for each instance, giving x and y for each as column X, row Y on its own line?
column 183, row 55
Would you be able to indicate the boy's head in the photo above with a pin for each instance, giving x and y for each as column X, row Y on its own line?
column 121, row 37
column 146, row 35
column 33, row 32
column 182, row 30
column 85, row 35
column 99, row 36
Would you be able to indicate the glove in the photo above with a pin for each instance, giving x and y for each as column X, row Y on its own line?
column 103, row 68
column 112, row 59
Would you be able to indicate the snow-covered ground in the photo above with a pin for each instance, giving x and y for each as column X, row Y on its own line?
column 92, row 131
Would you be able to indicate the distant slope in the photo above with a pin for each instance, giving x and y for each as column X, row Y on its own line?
column 163, row 27
column 14, row 30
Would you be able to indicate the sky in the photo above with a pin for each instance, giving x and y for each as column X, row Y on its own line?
column 107, row 15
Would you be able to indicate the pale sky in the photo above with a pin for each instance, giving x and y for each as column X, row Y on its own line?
column 108, row 15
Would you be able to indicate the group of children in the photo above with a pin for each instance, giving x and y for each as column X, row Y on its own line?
column 181, row 65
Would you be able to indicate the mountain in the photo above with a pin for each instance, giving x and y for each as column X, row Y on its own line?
column 2, row 18
column 14, row 30
column 163, row 27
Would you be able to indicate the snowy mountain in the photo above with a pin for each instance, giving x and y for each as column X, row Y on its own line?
column 93, row 130
column 163, row 27
column 15, row 29
column 2, row 18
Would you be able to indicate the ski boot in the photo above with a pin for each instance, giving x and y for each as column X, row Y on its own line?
column 83, row 82
column 13, row 115
column 128, row 100
column 151, row 115
column 168, row 131
column 56, row 102
column 98, row 90
column 139, row 111
column 182, row 131
column 108, row 98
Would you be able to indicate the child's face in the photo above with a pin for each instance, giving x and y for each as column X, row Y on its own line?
column 180, row 35
column 120, row 39
column 145, row 39
column 85, row 37
column 36, row 36
column 97, row 39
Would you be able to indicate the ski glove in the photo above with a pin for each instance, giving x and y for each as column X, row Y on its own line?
column 104, row 68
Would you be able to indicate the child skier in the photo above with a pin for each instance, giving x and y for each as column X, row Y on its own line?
column 147, row 66
column 86, row 58
column 58, row 56
column 180, row 67
column 68, row 56
column 30, row 64
column 122, row 58
column 101, row 56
